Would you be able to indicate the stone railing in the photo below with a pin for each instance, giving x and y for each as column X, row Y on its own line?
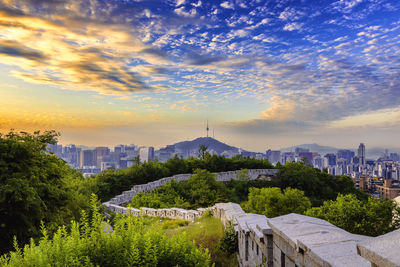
column 127, row 196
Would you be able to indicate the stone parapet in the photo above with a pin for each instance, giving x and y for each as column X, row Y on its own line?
column 383, row 250
column 308, row 241
column 289, row 240
column 127, row 196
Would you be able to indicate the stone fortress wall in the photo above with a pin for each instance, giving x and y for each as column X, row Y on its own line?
column 291, row 240
column 127, row 196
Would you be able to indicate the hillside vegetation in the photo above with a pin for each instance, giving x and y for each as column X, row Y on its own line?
column 38, row 189
column 130, row 241
column 36, row 186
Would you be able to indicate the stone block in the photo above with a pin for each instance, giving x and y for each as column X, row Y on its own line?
column 383, row 250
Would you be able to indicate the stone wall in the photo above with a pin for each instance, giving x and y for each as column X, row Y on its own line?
column 127, row 196
column 291, row 240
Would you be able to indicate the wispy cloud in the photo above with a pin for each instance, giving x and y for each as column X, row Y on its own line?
column 286, row 66
column 227, row 5
column 93, row 57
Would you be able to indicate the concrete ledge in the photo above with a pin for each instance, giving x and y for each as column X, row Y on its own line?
column 383, row 250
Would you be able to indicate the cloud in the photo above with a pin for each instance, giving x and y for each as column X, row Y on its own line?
column 89, row 56
column 291, row 14
column 200, row 60
column 265, row 127
column 227, row 5
column 198, row 4
column 181, row 107
column 345, row 6
column 14, row 49
column 293, row 26
column 182, row 12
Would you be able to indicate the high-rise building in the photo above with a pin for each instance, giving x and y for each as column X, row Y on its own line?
column 274, row 156
column 345, row 154
column 394, row 156
column 100, row 152
column 361, row 153
column 306, row 155
column 87, row 158
column 287, row 157
column 329, row 160
column 146, row 154
column 318, row 162
column 119, row 149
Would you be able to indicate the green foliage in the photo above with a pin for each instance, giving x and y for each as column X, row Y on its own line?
column 372, row 217
column 200, row 190
column 112, row 182
column 272, row 202
column 243, row 175
column 239, row 190
column 36, row 186
column 208, row 213
column 318, row 186
column 92, row 242
column 202, row 152
column 172, row 224
column 206, row 233
column 229, row 242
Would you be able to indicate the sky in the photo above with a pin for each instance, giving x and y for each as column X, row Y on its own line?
column 266, row 74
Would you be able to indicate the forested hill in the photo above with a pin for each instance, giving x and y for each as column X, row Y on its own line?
column 210, row 142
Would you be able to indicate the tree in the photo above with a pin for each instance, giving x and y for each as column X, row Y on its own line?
column 243, row 175
column 372, row 217
column 203, row 190
column 202, row 152
column 136, row 160
column 317, row 185
column 35, row 186
column 177, row 165
column 272, row 202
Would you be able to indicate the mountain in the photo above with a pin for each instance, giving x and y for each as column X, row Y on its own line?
column 192, row 146
column 371, row 153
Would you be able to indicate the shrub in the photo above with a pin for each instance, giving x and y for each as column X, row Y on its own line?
column 271, row 202
column 93, row 242
column 172, row 224
column 229, row 242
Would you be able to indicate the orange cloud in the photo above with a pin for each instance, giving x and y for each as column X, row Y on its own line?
column 75, row 55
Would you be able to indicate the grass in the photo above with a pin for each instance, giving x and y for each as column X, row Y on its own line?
column 207, row 233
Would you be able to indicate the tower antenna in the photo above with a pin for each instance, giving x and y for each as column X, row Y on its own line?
column 213, row 134
column 207, row 128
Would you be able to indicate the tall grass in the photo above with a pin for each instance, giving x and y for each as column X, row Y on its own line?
column 92, row 242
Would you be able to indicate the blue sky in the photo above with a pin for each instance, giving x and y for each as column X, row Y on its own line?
column 266, row 74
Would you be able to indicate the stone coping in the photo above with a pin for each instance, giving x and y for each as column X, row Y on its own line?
column 327, row 244
column 383, row 250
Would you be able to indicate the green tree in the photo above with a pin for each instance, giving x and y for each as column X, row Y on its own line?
column 372, row 217
column 177, row 165
column 136, row 160
column 243, row 175
column 202, row 152
column 203, row 190
column 36, row 186
column 318, row 186
column 229, row 241
column 272, row 202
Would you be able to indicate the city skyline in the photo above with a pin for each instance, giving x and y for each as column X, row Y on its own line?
column 265, row 74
